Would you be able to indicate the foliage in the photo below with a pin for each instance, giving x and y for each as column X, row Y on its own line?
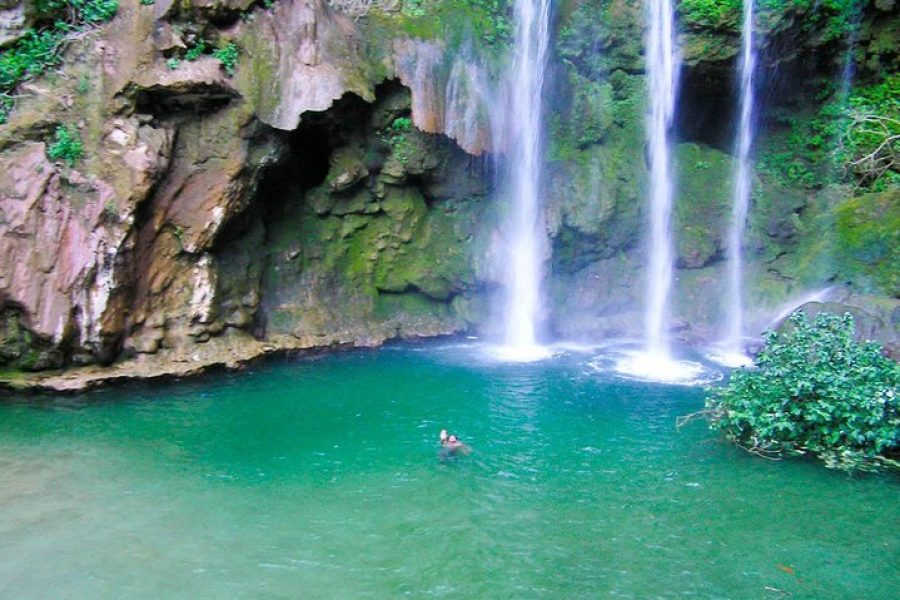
column 871, row 135
column 78, row 12
column 195, row 51
column 829, row 20
column 713, row 14
column 40, row 49
column 855, row 138
column 401, row 124
column 228, row 56
column 67, row 147
column 32, row 55
column 815, row 390
column 395, row 135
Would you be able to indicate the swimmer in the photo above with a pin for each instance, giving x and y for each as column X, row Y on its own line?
column 451, row 445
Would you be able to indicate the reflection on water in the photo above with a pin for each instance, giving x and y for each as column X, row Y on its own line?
column 323, row 476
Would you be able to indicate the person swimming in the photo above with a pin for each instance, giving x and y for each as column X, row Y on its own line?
column 451, row 446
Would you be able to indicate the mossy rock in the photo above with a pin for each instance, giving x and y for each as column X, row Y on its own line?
column 703, row 203
column 20, row 349
column 868, row 234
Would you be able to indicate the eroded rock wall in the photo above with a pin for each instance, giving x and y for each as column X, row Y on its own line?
column 168, row 231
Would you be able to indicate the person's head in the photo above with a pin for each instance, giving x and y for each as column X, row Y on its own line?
column 452, row 439
column 443, row 434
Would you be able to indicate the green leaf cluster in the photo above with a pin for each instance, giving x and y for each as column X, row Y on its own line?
column 711, row 14
column 395, row 136
column 78, row 12
column 833, row 142
column 195, row 51
column 228, row 56
column 32, row 55
column 67, row 147
column 815, row 390
column 40, row 48
column 829, row 20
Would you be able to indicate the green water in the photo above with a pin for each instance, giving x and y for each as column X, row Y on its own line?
column 320, row 479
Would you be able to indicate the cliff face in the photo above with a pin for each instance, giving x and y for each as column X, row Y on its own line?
column 337, row 188
column 308, row 200
column 801, row 187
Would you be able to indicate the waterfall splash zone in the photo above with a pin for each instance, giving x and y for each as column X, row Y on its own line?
column 525, row 237
column 734, row 335
column 661, row 368
column 662, row 76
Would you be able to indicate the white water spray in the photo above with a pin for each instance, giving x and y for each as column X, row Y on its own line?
column 655, row 362
column 662, row 75
column 526, row 240
column 734, row 333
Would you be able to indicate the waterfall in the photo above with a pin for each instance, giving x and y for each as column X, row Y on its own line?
column 662, row 75
column 848, row 69
column 733, row 342
column 525, row 236
column 655, row 361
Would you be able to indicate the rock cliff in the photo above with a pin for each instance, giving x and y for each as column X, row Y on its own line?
column 266, row 176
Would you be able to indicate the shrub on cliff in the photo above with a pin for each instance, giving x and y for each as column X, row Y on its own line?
column 67, row 147
column 41, row 48
column 818, row 391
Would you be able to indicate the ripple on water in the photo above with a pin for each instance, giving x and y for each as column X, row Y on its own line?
column 325, row 475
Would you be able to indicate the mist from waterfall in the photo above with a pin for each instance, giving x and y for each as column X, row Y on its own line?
column 663, row 64
column 524, row 131
column 734, row 329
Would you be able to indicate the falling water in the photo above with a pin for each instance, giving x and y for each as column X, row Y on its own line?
column 733, row 342
column 655, row 361
column 524, row 132
column 848, row 69
column 662, row 70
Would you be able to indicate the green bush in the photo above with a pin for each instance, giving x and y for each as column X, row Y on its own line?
column 195, row 51
column 40, row 48
column 32, row 55
column 829, row 20
column 815, row 390
column 228, row 56
column 715, row 14
column 855, row 139
column 78, row 12
column 67, row 147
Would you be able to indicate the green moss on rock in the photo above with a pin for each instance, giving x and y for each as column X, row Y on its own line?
column 703, row 203
column 868, row 233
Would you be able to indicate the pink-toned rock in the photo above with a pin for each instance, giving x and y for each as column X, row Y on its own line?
column 305, row 57
column 449, row 101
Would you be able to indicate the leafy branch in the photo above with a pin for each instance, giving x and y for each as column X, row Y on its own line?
column 882, row 153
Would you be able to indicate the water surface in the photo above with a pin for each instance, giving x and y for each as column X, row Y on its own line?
column 320, row 479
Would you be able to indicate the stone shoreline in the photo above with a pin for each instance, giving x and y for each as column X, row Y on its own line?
column 229, row 352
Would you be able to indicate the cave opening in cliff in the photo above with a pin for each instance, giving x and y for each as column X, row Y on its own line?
column 304, row 164
column 705, row 115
